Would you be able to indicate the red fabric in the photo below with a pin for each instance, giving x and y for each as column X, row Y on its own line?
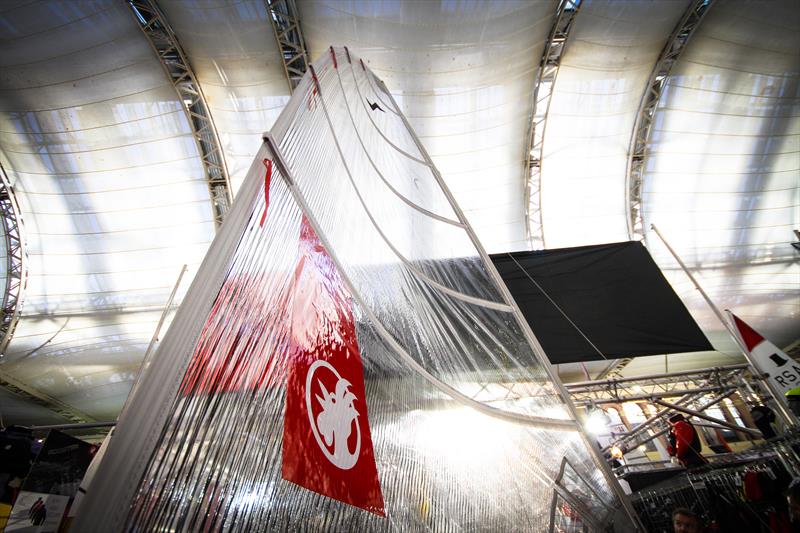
column 333, row 55
column 210, row 369
column 752, row 487
column 750, row 337
column 327, row 445
column 684, row 435
column 779, row 522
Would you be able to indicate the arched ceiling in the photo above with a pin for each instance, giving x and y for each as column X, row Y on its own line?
column 722, row 181
column 604, row 70
column 113, row 195
column 111, row 190
column 233, row 52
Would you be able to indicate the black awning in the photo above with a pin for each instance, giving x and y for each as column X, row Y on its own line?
column 614, row 293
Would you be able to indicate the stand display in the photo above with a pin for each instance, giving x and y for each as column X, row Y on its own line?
column 347, row 357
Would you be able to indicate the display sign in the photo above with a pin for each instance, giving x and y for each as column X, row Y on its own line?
column 60, row 465
column 605, row 301
column 37, row 512
column 53, row 479
column 327, row 444
column 783, row 371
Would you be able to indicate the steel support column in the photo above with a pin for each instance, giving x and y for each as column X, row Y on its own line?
column 16, row 261
column 544, row 84
column 285, row 20
column 165, row 43
column 642, row 128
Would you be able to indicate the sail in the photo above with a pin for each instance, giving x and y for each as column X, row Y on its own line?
column 782, row 370
column 345, row 244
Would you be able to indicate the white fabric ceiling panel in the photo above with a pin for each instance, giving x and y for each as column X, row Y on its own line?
column 462, row 72
column 722, row 180
column 111, row 190
column 232, row 49
column 68, row 355
column 610, row 54
column 114, row 197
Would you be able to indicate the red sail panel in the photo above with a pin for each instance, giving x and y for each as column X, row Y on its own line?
column 327, row 444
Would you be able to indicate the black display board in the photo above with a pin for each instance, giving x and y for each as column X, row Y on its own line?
column 614, row 293
column 60, row 465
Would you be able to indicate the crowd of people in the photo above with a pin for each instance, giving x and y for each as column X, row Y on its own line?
column 684, row 520
column 685, row 446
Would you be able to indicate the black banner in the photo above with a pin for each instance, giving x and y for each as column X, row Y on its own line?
column 614, row 293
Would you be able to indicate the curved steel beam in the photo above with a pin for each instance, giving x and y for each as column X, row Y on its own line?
column 16, row 263
column 543, row 90
column 165, row 43
column 35, row 396
column 285, row 20
column 640, row 136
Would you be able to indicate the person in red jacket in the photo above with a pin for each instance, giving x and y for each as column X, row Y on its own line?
column 685, row 442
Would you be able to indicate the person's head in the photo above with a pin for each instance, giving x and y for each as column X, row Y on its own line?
column 674, row 419
column 685, row 521
column 793, row 499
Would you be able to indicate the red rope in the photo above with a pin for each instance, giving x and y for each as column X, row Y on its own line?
column 333, row 55
column 267, row 179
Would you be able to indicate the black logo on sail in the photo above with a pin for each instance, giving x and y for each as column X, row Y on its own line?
column 778, row 360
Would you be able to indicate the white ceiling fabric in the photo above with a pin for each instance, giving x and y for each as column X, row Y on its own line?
column 722, row 179
column 112, row 192
column 609, row 56
column 234, row 55
column 462, row 72
column 114, row 196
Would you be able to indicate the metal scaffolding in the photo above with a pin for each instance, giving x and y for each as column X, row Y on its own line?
column 690, row 392
column 285, row 22
column 656, row 386
column 640, row 136
column 163, row 40
column 16, row 265
column 543, row 90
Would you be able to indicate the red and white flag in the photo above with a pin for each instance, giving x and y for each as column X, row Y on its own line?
column 327, row 444
column 784, row 372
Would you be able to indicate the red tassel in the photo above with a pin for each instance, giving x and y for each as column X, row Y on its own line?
column 267, row 179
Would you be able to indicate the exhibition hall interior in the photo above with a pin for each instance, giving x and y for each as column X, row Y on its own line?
column 400, row 265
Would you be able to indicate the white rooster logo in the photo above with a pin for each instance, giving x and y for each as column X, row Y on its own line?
column 335, row 422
